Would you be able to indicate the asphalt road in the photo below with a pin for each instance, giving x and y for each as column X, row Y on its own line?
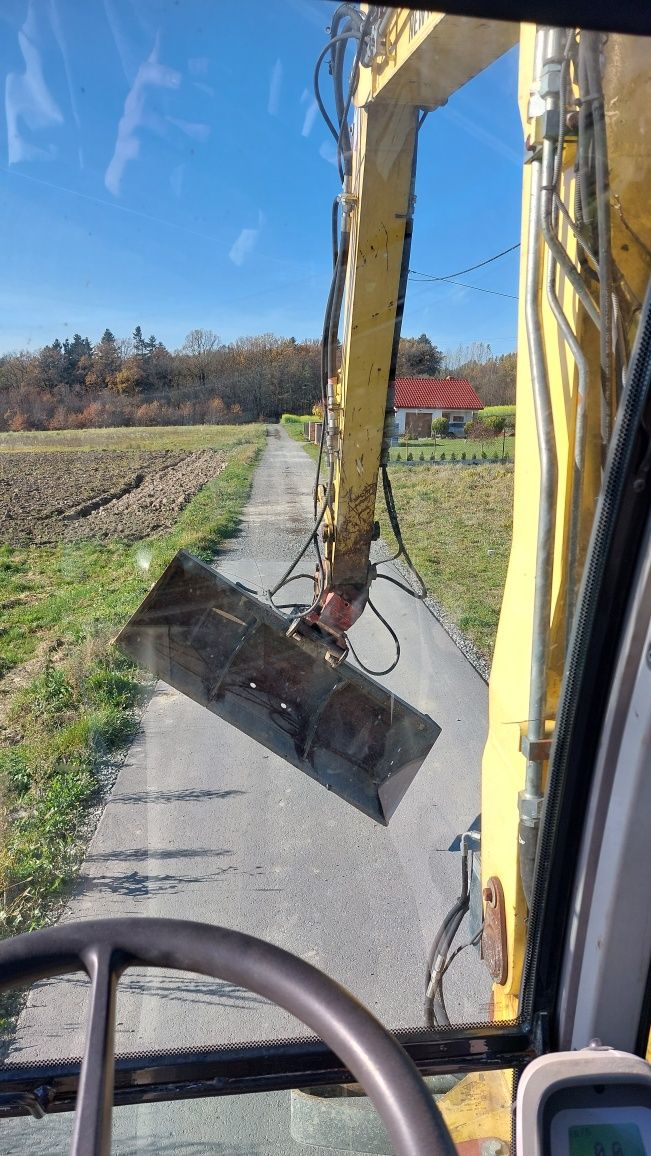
column 204, row 824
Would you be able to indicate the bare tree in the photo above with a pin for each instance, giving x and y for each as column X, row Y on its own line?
column 198, row 347
column 200, row 341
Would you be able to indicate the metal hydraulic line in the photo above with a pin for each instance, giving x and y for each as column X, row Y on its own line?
column 530, row 798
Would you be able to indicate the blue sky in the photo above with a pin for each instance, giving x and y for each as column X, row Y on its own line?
column 162, row 164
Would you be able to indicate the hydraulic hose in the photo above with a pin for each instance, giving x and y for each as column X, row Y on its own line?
column 530, row 799
column 589, row 51
column 435, row 1010
column 577, row 354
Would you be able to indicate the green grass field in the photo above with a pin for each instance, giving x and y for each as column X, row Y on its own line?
column 164, row 437
column 443, row 450
column 68, row 700
column 457, row 526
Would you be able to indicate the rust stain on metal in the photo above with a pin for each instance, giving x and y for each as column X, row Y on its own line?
column 357, row 507
column 351, row 560
column 493, row 940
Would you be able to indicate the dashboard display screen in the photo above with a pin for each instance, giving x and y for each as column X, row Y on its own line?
column 606, row 1140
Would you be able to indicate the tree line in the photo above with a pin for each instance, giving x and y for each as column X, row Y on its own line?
column 138, row 381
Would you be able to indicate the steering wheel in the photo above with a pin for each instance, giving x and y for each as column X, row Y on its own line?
column 105, row 948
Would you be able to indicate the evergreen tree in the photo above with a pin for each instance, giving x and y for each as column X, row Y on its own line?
column 106, row 362
column 139, row 344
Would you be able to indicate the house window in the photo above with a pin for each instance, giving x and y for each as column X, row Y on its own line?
column 457, row 418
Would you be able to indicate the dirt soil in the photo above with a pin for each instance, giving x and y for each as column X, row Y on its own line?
column 47, row 498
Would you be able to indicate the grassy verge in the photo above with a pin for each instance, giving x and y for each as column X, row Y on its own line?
column 293, row 423
column 68, row 699
column 455, row 449
column 457, row 527
column 294, row 427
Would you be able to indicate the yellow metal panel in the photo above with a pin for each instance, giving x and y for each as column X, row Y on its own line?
column 430, row 55
column 479, row 1107
column 385, row 139
column 628, row 112
column 627, row 92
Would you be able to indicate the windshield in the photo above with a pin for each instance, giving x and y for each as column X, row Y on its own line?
column 307, row 751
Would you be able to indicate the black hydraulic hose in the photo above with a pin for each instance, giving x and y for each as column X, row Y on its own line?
column 302, row 551
column 343, row 36
column 334, row 227
column 404, row 264
column 436, row 1014
column 435, row 1010
column 396, row 643
column 401, row 585
column 527, row 844
column 584, row 142
column 329, row 337
column 344, row 144
column 589, row 50
column 338, row 285
column 343, row 136
column 395, row 526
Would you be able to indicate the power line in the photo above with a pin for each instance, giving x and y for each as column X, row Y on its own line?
column 465, row 285
column 470, row 269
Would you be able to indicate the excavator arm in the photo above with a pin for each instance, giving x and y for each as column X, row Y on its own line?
column 409, row 63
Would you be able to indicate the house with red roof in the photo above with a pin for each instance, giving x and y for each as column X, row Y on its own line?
column 421, row 399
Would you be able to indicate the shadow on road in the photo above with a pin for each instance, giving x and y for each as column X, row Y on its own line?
column 142, row 853
column 185, row 795
column 140, row 885
column 191, row 990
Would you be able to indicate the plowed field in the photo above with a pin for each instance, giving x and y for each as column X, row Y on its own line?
column 118, row 494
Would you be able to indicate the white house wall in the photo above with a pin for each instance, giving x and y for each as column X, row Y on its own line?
column 400, row 415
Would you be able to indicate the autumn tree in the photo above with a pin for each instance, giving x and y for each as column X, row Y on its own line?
column 130, row 378
column 493, row 377
column 197, row 348
column 418, row 357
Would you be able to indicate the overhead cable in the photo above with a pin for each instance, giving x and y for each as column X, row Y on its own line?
column 470, row 269
column 477, row 288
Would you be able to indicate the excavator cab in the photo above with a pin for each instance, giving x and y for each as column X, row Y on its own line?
column 437, row 938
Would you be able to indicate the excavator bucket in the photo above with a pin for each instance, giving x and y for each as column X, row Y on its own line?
column 212, row 640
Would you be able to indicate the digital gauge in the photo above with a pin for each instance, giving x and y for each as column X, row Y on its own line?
column 592, row 1102
column 606, row 1140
